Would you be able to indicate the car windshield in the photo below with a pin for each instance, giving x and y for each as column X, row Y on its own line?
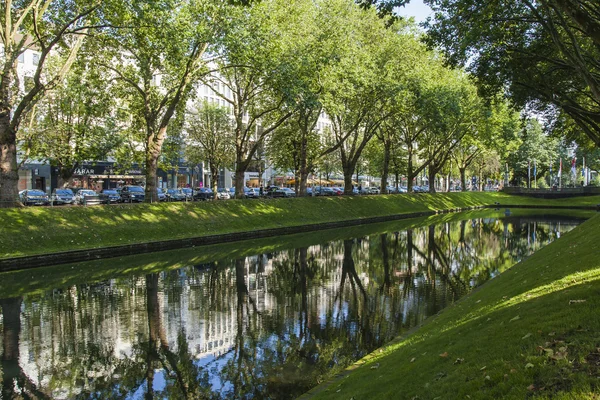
column 220, row 190
column 186, row 190
column 36, row 193
column 87, row 192
column 64, row 192
column 172, row 191
column 109, row 191
column 136, row 189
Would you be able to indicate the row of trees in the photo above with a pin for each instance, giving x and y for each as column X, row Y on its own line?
column 119, row 78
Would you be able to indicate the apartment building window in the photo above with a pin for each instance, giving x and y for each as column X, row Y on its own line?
column 21, row 58
column 36, row 58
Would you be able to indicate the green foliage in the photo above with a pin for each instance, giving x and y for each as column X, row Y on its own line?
column 535, row 146
column 544, row 54
column 74, row 122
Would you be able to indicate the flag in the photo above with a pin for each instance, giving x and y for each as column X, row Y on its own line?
column 573, row 167
column 560, row 168
column 534, row 168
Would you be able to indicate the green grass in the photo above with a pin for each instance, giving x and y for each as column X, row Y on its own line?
column 31, row 231
column 532, row 332
column 25, row 282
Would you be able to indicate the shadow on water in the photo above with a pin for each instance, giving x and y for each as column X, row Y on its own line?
column 258, row 319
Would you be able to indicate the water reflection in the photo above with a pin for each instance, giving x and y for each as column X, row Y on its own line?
column 270, row 325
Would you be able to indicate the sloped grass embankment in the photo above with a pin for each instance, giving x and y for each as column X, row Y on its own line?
column 32, row 231
column 532, row 332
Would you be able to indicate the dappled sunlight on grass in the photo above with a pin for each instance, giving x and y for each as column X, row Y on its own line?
column 49, row 229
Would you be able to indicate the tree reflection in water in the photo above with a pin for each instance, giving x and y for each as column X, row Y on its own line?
column 271, row 325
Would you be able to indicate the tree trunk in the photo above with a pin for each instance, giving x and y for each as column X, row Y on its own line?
column 214, row 180
column 154, row 147
column 240, row 172
column 9, row 169
column 348, row 172
column 386, row 167
column 409, row 172
column 303, row 167
column 463, row 179
column 431, row 172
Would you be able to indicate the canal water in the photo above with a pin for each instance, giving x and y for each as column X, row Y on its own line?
column 264, row 319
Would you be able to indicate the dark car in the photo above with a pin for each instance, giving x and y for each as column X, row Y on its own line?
column 162, row 196
column 62, row 196
column 175, row 195
column 109, row 196
column 324, row 191
column 283, row 192
column 131, row 193
column 204, row 194
column 34, row 197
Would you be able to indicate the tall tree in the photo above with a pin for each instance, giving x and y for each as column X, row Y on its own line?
column 254, row 78
column 543, row 53
column 356, row 91
column 210, row 139
column 73, row 122
column 156, row 59
column 47, row 27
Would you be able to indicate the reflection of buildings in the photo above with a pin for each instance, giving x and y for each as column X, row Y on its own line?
column 72, row 337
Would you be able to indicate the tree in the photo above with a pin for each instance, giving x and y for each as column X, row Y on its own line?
column 497, row 132
column 73, row 122
column 48, row 27
column 210, row 139
column 254, row 77
column 535, row 147
column 156, row 60
column 543, row 53
column 354, row 92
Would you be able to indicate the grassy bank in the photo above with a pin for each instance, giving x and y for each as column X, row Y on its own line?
column 26, row 282
column 531, row 332
column 31, row 231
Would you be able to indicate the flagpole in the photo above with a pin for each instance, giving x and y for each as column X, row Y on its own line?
column 560, row 174
column 528, row 174
column 535, row 172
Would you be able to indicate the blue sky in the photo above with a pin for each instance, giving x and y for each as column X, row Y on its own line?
column 416, row 9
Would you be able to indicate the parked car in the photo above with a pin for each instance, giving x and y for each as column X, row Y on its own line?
column 34, row 197
column 324, row 191
column 162, row 196
column 402, row 189
column 337, row 191
column 189, row 193
column 256, row 192
column 269, row 190
column 175, row 195
column 223, row 194
column 131, row 193
column 109, row 196
column 82, row 194
column 249, row 193
column 203, row 193
column 373, row 190
column 283, row 192
column 62, row 196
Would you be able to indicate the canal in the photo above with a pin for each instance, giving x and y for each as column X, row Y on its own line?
column 269, row 318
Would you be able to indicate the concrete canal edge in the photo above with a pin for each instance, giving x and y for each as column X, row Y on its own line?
column 66, row 257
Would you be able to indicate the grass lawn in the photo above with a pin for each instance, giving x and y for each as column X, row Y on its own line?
column 30, row 231
column 532, row 332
